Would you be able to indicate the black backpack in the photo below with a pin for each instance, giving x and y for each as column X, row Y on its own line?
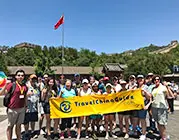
column 7, row 97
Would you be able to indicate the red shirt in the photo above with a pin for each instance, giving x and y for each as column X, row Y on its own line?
column 17, row 99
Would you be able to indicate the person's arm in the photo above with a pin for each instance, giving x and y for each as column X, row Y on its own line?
column 44, row 92
column 146, row 94
column 170, row 92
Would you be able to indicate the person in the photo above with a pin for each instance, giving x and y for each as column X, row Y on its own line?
column 116, row 84
column 40, row 86
column 95, row 118
column 109, row 117
column 150, row 85
column 50, row 92
column 31, row 115
column 141, row 114
column 16, row 107
column 84, row 91
column 66, row 92
column 124, row 115
column 160, row 106
column 76, row 86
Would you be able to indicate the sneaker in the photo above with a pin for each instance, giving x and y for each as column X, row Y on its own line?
column 107, row 136
column 78, row 137
column 142, row 137
column 126, row 136
column 94, row 137
column 87, row 136
column 62, row 136
column 56, row 137
column 69, row 135
column 114, row 136
column 42, row 132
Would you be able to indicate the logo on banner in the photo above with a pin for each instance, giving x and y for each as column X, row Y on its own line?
column 65, row 107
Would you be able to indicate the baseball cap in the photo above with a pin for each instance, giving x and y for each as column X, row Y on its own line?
column 150, row 74
column 106, row 78
column 45, row 76
column 123, row 82
column 96, row 83
column 77, row 74
column 85, row 81
column 32, row 76
column 132, row 76
column 109, row 85
column 140, row 76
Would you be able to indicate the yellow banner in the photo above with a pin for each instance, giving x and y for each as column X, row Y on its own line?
column 97, row 104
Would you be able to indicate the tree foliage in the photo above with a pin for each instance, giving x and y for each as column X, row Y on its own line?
column 140, row 61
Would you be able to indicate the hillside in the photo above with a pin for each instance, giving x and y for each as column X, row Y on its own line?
column 154, row 49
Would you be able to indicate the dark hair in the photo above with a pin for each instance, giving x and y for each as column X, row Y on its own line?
column 20, row 71
column 54, row 87
column 154, row 77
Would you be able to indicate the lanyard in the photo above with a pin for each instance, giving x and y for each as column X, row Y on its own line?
column 20, row 87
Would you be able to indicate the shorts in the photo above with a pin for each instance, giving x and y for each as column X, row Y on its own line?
column 41, row 109
column 141, row 114
column 31, row 117
column 160, row 115
column 15, row 116
column 46, row 107
column 125, row 113
column 95, row 117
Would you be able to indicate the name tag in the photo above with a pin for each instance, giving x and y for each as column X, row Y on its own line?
column 21, row 96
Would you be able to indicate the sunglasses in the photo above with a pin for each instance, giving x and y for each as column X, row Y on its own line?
column 157, row 79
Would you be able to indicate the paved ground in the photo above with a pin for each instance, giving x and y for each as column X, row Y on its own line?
column 172, row 127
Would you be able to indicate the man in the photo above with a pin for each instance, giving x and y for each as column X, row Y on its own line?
column 16, row 107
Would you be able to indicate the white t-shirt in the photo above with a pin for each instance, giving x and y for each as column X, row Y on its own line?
column 159, row 95
column 118, row 88
column 85, row 93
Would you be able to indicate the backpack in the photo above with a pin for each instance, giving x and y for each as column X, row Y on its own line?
column 7, row 97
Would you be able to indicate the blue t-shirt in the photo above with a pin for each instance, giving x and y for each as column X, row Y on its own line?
column 68, row 93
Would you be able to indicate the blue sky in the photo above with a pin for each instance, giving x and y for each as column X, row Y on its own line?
column 110, row 26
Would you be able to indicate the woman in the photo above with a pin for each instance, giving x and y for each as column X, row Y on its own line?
column 47, row 93
column 141, row 114
column 84, row 91
column 95, row 118
column 31, row 115
column 160, row 106
column 109, row 118
column 66, row 92
column 124, row 115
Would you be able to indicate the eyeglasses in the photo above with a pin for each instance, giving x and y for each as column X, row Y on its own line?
column 20, row 75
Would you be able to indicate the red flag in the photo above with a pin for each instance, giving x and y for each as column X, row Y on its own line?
column 61, row 21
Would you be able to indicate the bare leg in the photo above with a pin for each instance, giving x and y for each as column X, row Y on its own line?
column 162, row 130
column 18, row 131
column 41, row 121
column 32, row 125
column 48, row 124
column 9, row 132
column 143, row 124
column 121, row 122
column 80, row 125
column 56, row 123
column 127, row 124
column 26, row 127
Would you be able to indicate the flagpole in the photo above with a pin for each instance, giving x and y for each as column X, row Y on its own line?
column 63, row 47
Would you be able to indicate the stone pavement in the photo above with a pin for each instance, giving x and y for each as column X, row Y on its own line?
column 172, row 127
